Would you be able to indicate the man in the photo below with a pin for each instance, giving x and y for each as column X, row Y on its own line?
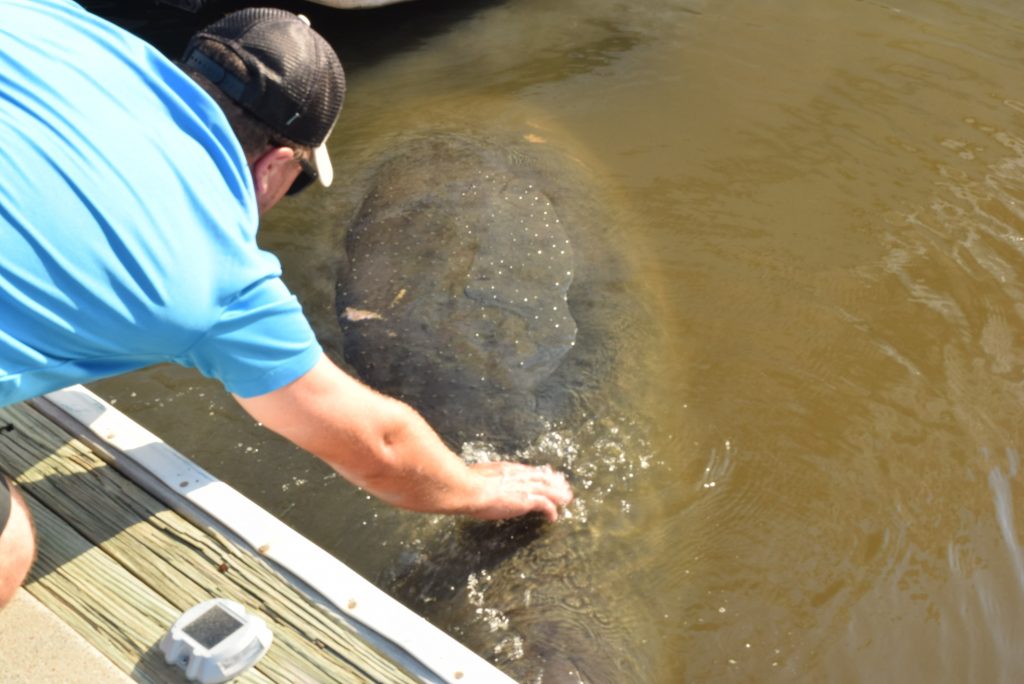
column 129, row 196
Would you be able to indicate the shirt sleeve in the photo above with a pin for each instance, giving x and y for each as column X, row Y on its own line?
column 261, row 342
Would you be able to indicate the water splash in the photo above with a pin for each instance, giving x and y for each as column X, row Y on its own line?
column 602, row 459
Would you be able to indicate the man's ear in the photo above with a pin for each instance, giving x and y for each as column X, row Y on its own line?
column 272, row 175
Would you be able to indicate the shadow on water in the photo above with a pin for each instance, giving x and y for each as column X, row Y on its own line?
column 361, row 37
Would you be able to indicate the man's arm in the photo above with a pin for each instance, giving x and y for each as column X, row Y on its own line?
column 385, row 447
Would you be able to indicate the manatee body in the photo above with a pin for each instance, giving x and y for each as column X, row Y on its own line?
column 469, row 291
column 483, row 286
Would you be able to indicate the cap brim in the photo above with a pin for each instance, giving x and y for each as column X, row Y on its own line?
column 322, row 164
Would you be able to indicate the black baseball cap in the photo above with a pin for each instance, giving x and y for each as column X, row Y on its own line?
column 293, row 82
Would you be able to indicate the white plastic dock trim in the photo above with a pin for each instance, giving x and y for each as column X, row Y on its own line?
column 423, row 649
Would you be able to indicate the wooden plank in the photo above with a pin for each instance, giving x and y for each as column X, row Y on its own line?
column 177, row 560
column 123, row 618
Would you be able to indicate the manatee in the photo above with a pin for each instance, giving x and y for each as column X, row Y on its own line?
column 484, row 284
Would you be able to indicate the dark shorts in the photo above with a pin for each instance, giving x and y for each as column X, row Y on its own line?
column 5, row 502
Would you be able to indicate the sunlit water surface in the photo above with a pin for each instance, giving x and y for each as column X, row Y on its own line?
column 824, row 201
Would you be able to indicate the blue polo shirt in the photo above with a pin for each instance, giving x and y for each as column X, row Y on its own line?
column 127, row 218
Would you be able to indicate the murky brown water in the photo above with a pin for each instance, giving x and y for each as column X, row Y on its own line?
column 826, row 201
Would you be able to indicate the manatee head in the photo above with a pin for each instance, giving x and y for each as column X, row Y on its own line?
column 524, row 594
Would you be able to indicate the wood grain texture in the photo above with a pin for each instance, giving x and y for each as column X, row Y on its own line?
column 119, row 567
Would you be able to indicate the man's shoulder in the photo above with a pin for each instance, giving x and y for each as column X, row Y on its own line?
column 147, row 122
column 102, row 129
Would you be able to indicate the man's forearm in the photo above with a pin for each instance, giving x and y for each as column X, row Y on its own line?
column 387, row 448
column 396, row 456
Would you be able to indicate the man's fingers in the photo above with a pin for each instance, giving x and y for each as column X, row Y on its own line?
column 557, row 488
column 521, row 489
column 546, row 506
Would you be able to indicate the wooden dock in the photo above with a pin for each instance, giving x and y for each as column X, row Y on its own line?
column 119, row 566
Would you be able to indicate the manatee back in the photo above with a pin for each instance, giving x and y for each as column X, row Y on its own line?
column 481, row 287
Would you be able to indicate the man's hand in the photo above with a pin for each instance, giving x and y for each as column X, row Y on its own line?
column 508, row 490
